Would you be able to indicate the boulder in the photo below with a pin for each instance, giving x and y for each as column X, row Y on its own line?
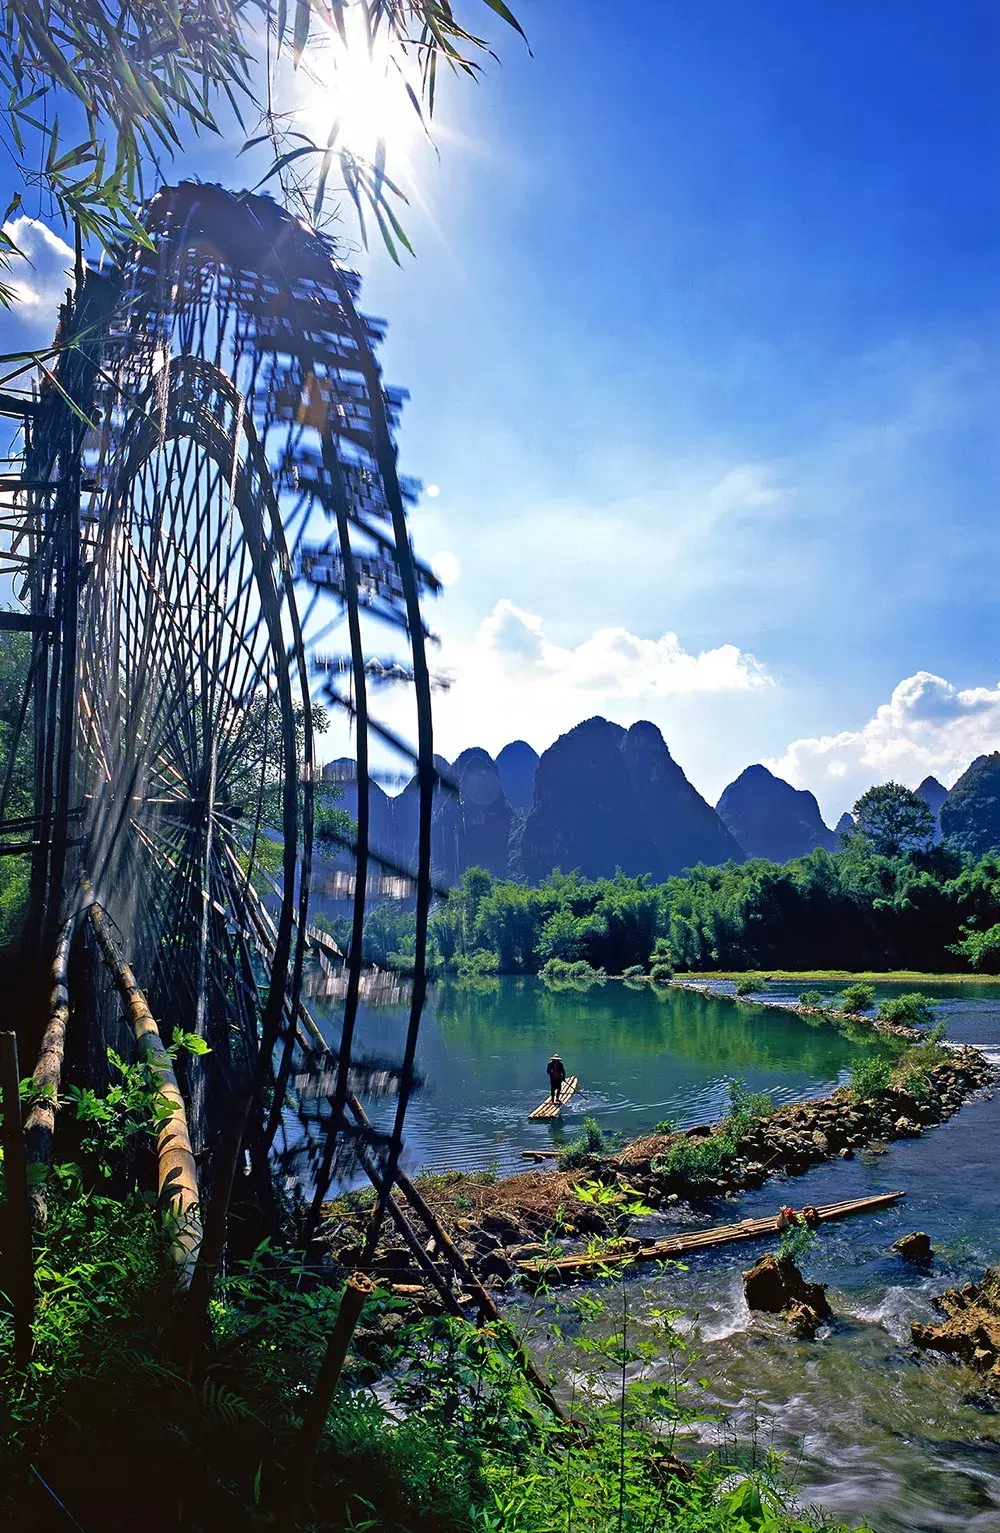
column 915, row 1247
column 775, row 1285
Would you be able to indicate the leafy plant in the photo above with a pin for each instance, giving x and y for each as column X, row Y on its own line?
column 797, row 1241
column 857, row 998
column 811, row 998
column 870, row 1076
column 592, row 1140
column 558, row 974
column 914, row 1009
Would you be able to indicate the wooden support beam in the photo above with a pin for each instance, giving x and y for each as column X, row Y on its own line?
column 40, row 1123
column 23, row 622
column 20, row 1282
column 176, row 1175
column 482, row 1296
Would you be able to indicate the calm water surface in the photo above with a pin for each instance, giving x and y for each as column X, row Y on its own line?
column 640, row 1058
column 872, row 1428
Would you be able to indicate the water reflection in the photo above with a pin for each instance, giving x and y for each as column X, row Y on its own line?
column 640, row 1056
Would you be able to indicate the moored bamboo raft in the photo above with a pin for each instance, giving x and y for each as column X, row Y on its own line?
column 550, row 1109
column 565, row 1268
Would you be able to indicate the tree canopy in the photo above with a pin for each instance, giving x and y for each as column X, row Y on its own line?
column 891, row 819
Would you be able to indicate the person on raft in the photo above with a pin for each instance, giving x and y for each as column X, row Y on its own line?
column 556, row 1072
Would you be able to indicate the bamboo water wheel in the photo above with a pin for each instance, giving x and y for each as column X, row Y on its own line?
column 207, row 494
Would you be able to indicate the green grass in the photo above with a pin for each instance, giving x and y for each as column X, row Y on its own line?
column 872, row 976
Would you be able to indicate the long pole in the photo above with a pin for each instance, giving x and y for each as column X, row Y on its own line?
column 21, row 1280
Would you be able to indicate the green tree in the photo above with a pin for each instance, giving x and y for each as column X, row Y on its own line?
column 563, row 936
column 892, row 820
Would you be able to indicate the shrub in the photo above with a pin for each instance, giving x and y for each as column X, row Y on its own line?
column 915, row 1010
column 665, row 1126
column 797, row 1240
column 811, row 998
column 478, row 964
column 858, row 998
column 661, row 973
column 869, row 1077
column 634, row 971
column 559, row 974
column 746, row 1108
column 698, row 1159
column 745, row 985
column 591, row 1140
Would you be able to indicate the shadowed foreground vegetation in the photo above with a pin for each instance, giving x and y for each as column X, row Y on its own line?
column 108, row 1427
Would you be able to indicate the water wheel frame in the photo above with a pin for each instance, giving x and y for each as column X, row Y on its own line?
column 142, row 367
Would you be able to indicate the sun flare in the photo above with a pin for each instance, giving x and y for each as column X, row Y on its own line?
column 363, row 96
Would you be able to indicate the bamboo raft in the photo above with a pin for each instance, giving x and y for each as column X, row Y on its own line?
column 550, row 1109
column 566, row 1268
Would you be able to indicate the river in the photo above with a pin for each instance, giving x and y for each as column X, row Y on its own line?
column 872, row 1428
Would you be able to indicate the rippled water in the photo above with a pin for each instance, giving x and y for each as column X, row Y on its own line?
column 640, row 1058
column 873, row 1428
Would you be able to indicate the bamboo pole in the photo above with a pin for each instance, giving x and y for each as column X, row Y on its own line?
column 40, row 1123
column 567, row 1267
column 177, row 1179
column 412, row 1239
column 357, row 1290
column 17, row 1242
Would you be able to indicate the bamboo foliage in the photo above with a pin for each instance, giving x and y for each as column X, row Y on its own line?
column 135, row 80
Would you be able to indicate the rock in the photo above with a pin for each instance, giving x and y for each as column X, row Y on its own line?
column 821, row 1142
column 503, row 1226
column 803, row 1320
column 531, row 1251
column 847, row 1153
column 774, row 1284
column 915, row 1247
column 495, row 1265
column 905, row 1128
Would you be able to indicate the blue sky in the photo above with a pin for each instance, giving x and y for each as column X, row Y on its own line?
column 701, row 341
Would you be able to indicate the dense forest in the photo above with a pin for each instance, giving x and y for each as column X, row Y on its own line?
column 930, row 909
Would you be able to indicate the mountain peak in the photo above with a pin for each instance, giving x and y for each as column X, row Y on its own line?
column 770, row 818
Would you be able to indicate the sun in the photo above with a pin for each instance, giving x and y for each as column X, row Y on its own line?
column 362, row 93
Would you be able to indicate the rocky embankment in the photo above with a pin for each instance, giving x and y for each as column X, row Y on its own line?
column 971, row 1331
column 499, row 1224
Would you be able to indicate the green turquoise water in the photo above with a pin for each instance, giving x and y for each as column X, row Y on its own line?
column 640, row 1057
column 868, row 1426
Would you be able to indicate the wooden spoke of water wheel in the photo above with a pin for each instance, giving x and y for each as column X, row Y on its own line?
column 191, row 716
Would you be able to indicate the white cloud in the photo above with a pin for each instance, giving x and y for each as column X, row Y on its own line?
column 511, row 681
column 40, row 275
column 928, row 727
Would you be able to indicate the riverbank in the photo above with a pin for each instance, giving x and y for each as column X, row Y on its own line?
column 852, row 1019
column 847, row 976
column 503, row 1225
